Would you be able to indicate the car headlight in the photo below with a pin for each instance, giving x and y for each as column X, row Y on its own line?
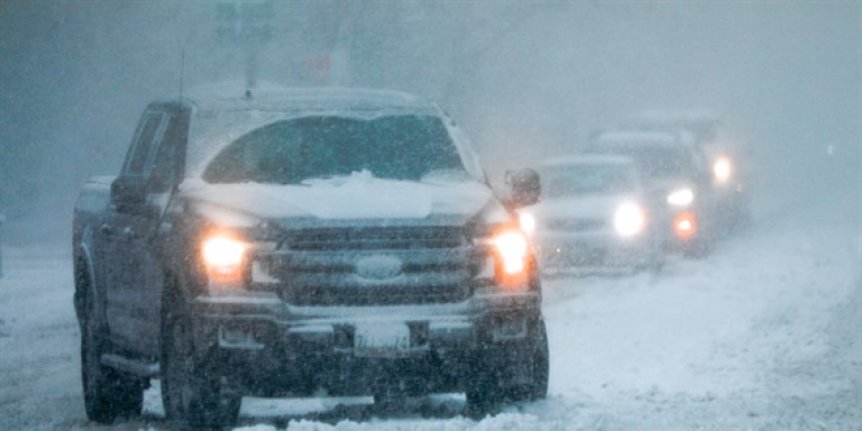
column 224, row 257
column 527, row 222
column 681, row 197
column 722, row 170
column 629, row 219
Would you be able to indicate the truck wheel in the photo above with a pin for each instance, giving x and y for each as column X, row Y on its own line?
column 108, row 394
column 190, row 394
column 492, row 386
column 540, row 364
column 388, row 402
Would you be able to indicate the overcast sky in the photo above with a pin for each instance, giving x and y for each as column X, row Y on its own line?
column 526, row 80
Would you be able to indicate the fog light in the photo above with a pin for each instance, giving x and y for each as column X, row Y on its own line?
column 685, row 225
column 510, row 329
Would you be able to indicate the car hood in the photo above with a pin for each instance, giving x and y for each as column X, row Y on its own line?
column 668, row 184
column 353, row 197
column 581, row 207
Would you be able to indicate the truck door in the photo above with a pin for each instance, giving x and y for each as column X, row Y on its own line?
column 162, row 173
column 126, row 221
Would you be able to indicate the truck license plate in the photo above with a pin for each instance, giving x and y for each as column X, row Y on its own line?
column 383, row 339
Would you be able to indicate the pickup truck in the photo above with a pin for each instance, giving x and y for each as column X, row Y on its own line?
column 299, row 242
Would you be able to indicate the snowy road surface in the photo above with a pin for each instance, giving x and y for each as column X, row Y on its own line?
column 764, row 334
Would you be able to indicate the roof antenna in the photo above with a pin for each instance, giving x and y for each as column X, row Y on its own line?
column 182, row 55
column 182, row 70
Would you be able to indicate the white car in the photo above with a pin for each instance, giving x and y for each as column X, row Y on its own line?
column 593, row 217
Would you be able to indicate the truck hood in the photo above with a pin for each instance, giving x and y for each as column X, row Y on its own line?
column 351, row 197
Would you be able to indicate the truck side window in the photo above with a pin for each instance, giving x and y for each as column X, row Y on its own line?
column 138, row 158
column 165, row 163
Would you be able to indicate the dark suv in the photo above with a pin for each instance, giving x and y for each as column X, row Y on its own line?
column 298, row 242
column 676, row 178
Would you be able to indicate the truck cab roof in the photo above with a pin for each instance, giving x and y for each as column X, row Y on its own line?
column 232, row 96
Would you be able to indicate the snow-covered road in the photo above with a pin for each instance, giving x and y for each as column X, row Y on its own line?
column 764, row 334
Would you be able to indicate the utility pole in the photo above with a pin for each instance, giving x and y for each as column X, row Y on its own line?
column 2, row 219
column 245, row 23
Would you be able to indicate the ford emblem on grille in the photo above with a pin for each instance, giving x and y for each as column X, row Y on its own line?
column 378, row 267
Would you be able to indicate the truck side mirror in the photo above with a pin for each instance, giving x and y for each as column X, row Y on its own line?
column 128, row 194
column 524, row 187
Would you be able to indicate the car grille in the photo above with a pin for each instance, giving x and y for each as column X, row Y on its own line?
column 576, row 224
column 322, row 266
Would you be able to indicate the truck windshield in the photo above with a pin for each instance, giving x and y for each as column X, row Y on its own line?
column 586, row 179
column 403, row 147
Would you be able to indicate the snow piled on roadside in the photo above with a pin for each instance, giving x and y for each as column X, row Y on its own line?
column 503, row 421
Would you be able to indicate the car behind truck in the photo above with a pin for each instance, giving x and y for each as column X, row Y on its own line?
column 298, row 241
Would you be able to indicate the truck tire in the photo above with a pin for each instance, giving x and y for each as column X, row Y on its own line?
column 191, row 394
column 108, row 394
column 492, row 387
column 538, row 387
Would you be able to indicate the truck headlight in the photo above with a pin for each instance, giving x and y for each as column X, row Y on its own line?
column 508, row 256
column 528, row 222
column 511, row 257
column 722, row 170
column 629, row 219
column 512, row 247
column 681, row 197
column 224, row 257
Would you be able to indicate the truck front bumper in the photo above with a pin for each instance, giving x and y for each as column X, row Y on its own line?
column 271, row 348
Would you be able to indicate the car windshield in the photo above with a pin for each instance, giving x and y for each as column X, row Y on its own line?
column 585, row 179
column 656, row 162
column 402, row 147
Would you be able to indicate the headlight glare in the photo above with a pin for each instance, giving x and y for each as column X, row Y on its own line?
column 528, row 222
column 224, row 257
column 512, row 248
column 685, row 225
column 629, row 219
column 681, row 197
column 722, row 170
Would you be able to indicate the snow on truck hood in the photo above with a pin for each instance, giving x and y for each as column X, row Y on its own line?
column 359, row 196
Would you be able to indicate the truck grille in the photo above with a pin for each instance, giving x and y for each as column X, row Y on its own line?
column 330, row 266
column 369, row 238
